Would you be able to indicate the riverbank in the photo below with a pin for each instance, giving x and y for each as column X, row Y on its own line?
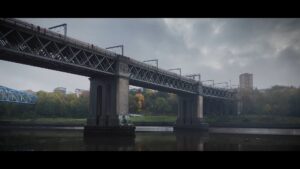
column 160, row 129
column 151, row 139
column 253, row 121
column 43, row 122
column 144, row 120
column 148, row 120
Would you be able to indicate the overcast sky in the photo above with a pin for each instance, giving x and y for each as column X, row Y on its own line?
column 218, row 49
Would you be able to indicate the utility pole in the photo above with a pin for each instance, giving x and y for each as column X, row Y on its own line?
column 213, row 82
column 118, row 46
column 64, row 25
column 152, row 60
column 194, row 75
column 222, row 83
column 176, row 69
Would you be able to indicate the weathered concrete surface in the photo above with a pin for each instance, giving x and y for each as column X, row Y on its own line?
column 102, row 110
column 122, row 96
column 108, row 100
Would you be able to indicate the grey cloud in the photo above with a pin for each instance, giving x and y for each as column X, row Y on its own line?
column 219, row 49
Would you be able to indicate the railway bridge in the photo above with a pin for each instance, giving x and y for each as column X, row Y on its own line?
column 110, row 75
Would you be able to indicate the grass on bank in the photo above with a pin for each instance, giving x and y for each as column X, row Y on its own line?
column 228, row 120
column 253, row 119
column 46, row 121
column 82, row 121
column 150, row 118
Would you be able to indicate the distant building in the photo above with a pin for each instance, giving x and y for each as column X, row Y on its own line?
column 80, row 92
column 246, row 81
column 245, row 94
column 62, row 90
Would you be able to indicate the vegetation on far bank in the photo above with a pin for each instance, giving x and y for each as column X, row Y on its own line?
column 46, row 121
column 242, row 120
column 151, row 118
column 82, row 121
column 275, row 101
column 276, row 105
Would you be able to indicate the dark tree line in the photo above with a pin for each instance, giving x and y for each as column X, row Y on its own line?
column 59, row 105
column 278, row 100
column 49, row 105
column 156, row 103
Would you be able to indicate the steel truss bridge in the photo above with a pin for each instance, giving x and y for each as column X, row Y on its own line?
column 26, row 43
column 16, row 96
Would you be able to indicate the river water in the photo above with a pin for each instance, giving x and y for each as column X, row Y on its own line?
column 150, row 139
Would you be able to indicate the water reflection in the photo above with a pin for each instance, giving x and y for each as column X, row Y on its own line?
column 191, row 141
column 70, row 140
column 109, row 143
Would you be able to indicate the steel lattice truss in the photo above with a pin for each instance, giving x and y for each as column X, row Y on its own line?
column 217, row 92
column 145, row 73
column 30, row 44
column 15, row 96
column 27, row 39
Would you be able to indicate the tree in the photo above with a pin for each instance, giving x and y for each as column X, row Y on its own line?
column 294, row 103
column 132, row 104
column 161, row 105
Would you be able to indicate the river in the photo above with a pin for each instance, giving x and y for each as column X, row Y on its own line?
column 150, row 139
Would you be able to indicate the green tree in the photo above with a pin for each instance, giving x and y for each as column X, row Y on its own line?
column 161, row 105
column 294, row 103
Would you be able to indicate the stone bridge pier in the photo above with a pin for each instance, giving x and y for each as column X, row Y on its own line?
column 108, row 100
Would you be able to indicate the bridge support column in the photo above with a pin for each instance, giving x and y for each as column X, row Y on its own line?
column 108, row 100
column 190, row 113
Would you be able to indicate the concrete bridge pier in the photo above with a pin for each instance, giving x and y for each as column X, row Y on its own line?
column 108, row 100
column 190, row 113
